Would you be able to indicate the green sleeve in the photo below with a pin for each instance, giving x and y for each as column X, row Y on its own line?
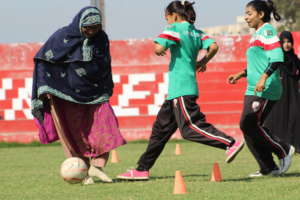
column 206, row 40
column 169, row 37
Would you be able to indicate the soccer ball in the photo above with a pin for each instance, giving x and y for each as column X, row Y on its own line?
column 73, row 170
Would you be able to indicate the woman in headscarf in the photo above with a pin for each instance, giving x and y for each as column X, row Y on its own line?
column 72, row 84
column 284, row 119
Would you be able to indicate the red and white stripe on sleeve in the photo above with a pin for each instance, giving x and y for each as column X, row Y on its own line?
column 205, row 37
column 170, row 35
column 265, row 43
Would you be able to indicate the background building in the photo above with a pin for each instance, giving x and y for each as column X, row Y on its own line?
column 240, row 28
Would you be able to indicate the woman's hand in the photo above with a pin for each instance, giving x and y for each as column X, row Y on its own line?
column 260, row 85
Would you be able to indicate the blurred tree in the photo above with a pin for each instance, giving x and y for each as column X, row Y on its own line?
column 290, row 12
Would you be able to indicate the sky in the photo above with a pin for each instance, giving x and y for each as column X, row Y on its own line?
column 36, row 20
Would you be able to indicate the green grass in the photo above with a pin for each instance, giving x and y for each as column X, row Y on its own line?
column 31, row 172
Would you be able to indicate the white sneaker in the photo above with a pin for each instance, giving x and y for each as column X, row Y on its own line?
column 99, row 173
column 88, row 181
column 275, row 172
column 285, row 163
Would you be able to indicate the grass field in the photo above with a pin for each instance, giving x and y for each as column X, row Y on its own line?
column 31, row 172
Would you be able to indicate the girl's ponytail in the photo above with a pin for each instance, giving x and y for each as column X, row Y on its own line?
column 273, row 9
column 190, row 12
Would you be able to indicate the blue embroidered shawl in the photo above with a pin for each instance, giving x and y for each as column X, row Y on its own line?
column 73, row 67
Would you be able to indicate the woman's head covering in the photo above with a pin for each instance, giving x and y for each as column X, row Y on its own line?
column 68, row 44
column 87, row 16
column 291, row 61
column 73, row 67
column 90, row 16
column 286, row 35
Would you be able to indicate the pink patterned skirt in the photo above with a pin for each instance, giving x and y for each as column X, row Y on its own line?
column 85, row 130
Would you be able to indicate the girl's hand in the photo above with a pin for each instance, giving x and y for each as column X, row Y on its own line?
column 161, row 53
column 211, row 52
column 159, row 50
column 233, row 78
column 260, row 86
column 201, row 66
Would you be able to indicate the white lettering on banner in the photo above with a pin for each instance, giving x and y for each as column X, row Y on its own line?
column 17, row 103
column 27, row 113
column 129, row 92
column 116, row 78
column 7, row 84
column 160, row 96
column 9, row 114
column 21, row 97
column 119, row 111
column 2, row 94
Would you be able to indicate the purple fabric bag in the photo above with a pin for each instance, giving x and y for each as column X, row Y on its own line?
column 47, row 130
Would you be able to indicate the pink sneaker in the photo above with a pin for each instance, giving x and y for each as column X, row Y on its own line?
column 134, row 174
column 234, row 150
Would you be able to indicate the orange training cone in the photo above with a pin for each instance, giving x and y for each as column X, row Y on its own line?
column 216, row 173
column 178, row 149
column 179, row 185
column 114, row 156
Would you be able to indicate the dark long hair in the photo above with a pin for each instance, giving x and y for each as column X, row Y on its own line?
column 184, row 10
column 267, row 7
